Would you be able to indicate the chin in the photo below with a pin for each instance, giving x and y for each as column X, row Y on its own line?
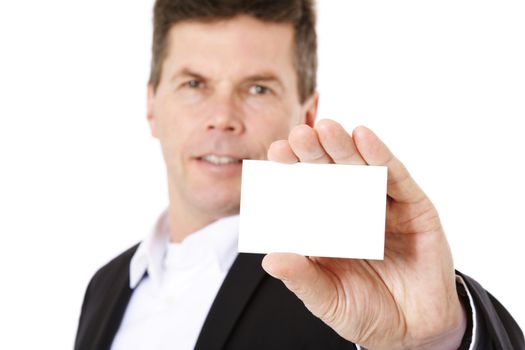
column 220, row 203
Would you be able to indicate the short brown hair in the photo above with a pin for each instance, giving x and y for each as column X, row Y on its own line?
column 299, row 13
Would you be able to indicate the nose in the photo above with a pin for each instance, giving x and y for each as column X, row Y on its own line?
column 225, row 116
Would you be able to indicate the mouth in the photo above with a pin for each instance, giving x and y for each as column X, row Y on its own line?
column 220, row 159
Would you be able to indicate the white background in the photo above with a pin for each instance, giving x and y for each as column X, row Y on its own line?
column 442, row 82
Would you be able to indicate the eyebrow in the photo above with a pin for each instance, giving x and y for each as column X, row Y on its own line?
column 186, row 72
column 265, row 77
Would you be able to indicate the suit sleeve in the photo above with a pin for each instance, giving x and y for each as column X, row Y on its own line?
column 496, row 329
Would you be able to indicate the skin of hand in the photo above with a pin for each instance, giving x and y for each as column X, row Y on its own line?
column 406, row 301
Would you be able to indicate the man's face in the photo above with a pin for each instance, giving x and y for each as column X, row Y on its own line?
column 228, row 90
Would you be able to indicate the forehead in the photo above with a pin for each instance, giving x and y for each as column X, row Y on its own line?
column 242, row 45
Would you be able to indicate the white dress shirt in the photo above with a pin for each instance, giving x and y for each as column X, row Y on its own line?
column 170, row 303
column 176, row 283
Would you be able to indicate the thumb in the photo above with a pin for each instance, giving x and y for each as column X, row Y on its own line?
column 304, row 278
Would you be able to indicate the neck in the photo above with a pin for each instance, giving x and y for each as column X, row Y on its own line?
column 188, row 215
column 184, row 221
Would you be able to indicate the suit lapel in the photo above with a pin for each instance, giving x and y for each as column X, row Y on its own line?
column 113, row 311
column 239, row 285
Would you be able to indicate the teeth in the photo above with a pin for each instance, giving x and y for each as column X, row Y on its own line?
column 219, row 160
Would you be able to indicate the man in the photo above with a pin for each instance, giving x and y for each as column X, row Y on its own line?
column 234, row 80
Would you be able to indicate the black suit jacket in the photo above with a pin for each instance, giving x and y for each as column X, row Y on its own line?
column 255, row 311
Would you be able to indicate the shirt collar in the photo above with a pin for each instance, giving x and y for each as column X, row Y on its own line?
column 219, row 238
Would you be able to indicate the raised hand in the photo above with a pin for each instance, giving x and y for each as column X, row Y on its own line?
column 406, row 301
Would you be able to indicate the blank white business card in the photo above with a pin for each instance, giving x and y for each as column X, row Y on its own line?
column 329, row 210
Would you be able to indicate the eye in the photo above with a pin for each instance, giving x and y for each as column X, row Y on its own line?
column 258, row 89
column 193, row 84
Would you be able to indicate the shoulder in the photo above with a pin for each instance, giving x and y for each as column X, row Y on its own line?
column 115, row 270
column 114, row 267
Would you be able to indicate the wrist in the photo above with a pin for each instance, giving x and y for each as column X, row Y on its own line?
column 450, row 339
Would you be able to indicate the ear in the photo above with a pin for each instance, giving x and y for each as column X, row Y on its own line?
column 310, row 109
column 149, row 112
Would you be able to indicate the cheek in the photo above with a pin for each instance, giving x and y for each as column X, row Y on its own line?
column 172, row 119
column 278, row 126
column 275, row 119
column 172, row 133
column 266, row 131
